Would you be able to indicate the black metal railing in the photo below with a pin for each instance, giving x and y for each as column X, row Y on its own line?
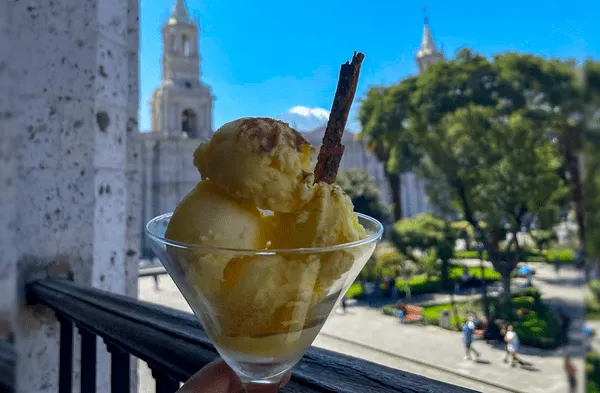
column 155, row 272
column 175, row 346
column 8, row 360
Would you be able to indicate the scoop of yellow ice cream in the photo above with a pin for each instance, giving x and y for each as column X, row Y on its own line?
column 266, row 294
column 208, row 217
column 326, row 220
column 260, row 161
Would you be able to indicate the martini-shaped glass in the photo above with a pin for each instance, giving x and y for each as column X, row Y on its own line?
column 262, row 308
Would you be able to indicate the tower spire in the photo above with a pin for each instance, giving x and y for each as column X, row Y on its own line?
column 179, row 14
column 428, row 52
column 427, row 44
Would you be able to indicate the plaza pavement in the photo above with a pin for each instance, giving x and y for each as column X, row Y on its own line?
column 428, row 350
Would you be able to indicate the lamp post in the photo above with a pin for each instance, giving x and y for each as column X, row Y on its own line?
column 486, row 305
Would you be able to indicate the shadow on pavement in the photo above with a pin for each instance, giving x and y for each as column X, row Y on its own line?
column 563, row 281
column 529, row 367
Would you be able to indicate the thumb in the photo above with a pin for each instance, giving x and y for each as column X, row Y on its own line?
column 215, row 377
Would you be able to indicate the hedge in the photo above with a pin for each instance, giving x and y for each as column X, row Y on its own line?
column 562, row 255
column 534, row 322
column 592, row 301
column 469, row 255
column 594, row 286
column 355, row 291
column 455, row 273
column 592, row 372
column 421, row 284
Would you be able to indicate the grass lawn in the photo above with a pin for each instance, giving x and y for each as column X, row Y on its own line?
column 431, row 314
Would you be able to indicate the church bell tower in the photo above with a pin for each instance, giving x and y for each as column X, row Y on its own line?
column 182, row 105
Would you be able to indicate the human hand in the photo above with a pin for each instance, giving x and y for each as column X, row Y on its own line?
column 218, row 377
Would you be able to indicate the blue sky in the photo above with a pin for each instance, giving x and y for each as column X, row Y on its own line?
column 263, row 58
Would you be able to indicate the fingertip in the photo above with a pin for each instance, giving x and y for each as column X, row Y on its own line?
column 286, row 378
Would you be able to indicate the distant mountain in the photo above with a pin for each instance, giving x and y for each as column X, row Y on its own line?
column 305, row 119
column 315, row 136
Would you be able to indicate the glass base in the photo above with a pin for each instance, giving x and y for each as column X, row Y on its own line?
column 267, row 385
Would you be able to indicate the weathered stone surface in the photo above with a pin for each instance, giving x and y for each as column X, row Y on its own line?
column 67, row 93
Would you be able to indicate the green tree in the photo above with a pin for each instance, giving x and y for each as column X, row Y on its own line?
column 387, row 137
column 510, row 168
column 543, row 237
column 429, row 234
column 479, row 144
column 592, row 159
column 555, row 97
column 465, row 232
column 363, row 192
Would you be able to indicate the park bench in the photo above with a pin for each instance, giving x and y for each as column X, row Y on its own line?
column 411, row 313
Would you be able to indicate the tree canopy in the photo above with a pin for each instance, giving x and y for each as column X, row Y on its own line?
column 428, row 234
column 592, row 157
column 495, row 138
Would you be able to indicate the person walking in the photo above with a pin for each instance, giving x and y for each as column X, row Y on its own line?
column 512, row 346
column 370, row 291
column 565, row 324
column 468, row 331
column 344, row 305
column 571, row 374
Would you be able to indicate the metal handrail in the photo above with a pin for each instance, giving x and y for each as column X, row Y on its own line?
column 174, row 345
column 8, row 360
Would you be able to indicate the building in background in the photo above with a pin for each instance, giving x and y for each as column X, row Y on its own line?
column 413, row 194
column 181, row 117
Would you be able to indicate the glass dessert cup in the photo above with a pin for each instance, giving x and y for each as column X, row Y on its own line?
column 262, row 309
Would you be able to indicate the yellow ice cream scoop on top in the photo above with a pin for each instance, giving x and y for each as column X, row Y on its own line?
column 209, row 217
column 260, row 161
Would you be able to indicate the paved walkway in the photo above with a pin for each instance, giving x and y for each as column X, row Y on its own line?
column 443, row 348
column 365, row 332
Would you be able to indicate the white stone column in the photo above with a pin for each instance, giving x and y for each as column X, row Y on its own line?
column 70, row 88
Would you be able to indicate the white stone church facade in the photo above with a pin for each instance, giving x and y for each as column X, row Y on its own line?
column 181, row 117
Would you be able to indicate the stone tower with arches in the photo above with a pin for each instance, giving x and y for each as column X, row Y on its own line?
column 182, row 105
column 181, row 117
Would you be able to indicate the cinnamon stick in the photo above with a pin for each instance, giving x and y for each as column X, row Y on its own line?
column 330, row 155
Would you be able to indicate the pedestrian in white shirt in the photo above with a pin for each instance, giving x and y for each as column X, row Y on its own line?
column 512, row 346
